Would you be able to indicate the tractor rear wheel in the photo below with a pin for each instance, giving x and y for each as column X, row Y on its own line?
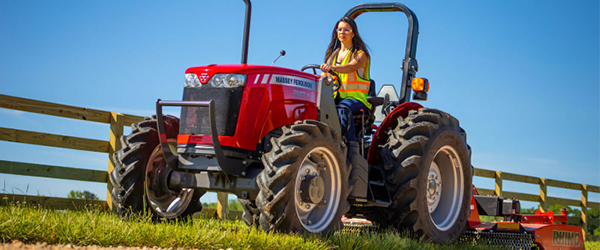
column 138, row 179
column 304, row 186
column 429, row 176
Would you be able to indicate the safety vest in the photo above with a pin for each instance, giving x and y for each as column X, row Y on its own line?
column 353, row 86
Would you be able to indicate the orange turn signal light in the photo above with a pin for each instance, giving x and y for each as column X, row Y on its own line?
column 420, row 84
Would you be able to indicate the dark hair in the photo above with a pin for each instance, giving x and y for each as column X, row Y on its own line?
column 335, row 44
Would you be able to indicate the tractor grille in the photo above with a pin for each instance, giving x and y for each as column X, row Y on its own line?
column 195, row 120
column 504, row 240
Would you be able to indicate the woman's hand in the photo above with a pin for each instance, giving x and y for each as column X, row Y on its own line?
column 325, row 68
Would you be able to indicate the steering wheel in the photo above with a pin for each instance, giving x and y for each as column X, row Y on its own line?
column 335, row 79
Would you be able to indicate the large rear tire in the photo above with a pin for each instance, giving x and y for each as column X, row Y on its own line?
column 137, row 188
column 428, row 168
column 304, row 186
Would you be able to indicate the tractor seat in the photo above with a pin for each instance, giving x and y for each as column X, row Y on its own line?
column 374, row 100
column 372, row 97
column 365, row 118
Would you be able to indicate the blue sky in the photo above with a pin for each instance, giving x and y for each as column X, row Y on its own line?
column 521, row 76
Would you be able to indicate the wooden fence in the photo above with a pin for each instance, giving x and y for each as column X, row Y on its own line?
column 543, row 197
column 117, row 121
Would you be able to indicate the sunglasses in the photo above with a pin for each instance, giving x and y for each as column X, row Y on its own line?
column 341, row 30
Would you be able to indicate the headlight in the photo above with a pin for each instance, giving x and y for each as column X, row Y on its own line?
column 228, row 80
column 191, row 80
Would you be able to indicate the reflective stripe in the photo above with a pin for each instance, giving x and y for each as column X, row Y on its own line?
column 359, row 83
column 353, row 86
column 354, row 90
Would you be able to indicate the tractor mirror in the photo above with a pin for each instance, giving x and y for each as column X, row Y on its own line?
column 389, row 93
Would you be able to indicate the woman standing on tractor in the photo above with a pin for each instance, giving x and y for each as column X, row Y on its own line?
column 347, row 56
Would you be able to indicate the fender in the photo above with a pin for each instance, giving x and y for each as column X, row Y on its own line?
column 381, row 136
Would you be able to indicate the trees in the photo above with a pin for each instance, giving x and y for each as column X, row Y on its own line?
column 556, row 208
column 231, row 205
column 85, row 195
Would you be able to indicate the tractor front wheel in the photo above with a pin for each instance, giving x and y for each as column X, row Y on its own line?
column 139, row 177
column 251, row 213
column 304, row 186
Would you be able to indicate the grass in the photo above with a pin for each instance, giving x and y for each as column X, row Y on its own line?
column 592, row 245
column 30, row 225
column 92, row 227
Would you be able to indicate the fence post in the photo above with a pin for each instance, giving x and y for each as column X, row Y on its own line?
column 116, row 131
column 498, row 190
column 543, row 195
column 222, row 205
column 584, row 197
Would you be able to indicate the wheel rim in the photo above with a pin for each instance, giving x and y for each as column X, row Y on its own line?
column 444, row 204
column 434, row 186
column 164, row 202
column 317, row 189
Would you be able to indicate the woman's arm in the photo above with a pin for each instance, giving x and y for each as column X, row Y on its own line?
column 359, row 61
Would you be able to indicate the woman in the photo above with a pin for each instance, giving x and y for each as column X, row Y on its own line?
column 347, row 56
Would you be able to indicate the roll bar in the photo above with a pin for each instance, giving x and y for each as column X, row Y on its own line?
column 409, row 64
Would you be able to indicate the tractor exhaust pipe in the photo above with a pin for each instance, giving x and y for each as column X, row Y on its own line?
column 246, row 32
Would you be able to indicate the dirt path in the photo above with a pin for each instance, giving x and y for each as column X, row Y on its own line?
column 17, row 245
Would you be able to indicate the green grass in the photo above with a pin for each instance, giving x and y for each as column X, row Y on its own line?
column 31, row 225
column 592, row 245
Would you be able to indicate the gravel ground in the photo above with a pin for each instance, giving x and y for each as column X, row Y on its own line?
column 43, row 246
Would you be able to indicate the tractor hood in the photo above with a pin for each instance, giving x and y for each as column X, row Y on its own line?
column 205, row 73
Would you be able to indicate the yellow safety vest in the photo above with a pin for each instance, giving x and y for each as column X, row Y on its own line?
column 353, row 86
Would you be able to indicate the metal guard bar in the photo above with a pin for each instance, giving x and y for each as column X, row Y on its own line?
column 171, row 159
column 411, row 42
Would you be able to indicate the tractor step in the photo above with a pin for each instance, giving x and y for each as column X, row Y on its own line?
column 378, row 194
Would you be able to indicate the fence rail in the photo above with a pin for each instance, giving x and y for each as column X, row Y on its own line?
column 117, row 121
column 543, row 197
column 52, row 140
column 544, row 183
column 48, row 171
column 49, row 108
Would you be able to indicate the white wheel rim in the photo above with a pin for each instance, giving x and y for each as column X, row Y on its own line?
column 320, row 162
column 434, row 187
column 166, row 205
column 444, row 207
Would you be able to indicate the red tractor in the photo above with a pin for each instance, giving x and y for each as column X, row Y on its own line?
column 272, row 136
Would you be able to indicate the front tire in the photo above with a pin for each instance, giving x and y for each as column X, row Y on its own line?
column 137, row 188
column 428, row 168
column 251, row 213
column 304, row 186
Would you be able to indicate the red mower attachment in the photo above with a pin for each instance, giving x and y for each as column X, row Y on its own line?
column 538, row 231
